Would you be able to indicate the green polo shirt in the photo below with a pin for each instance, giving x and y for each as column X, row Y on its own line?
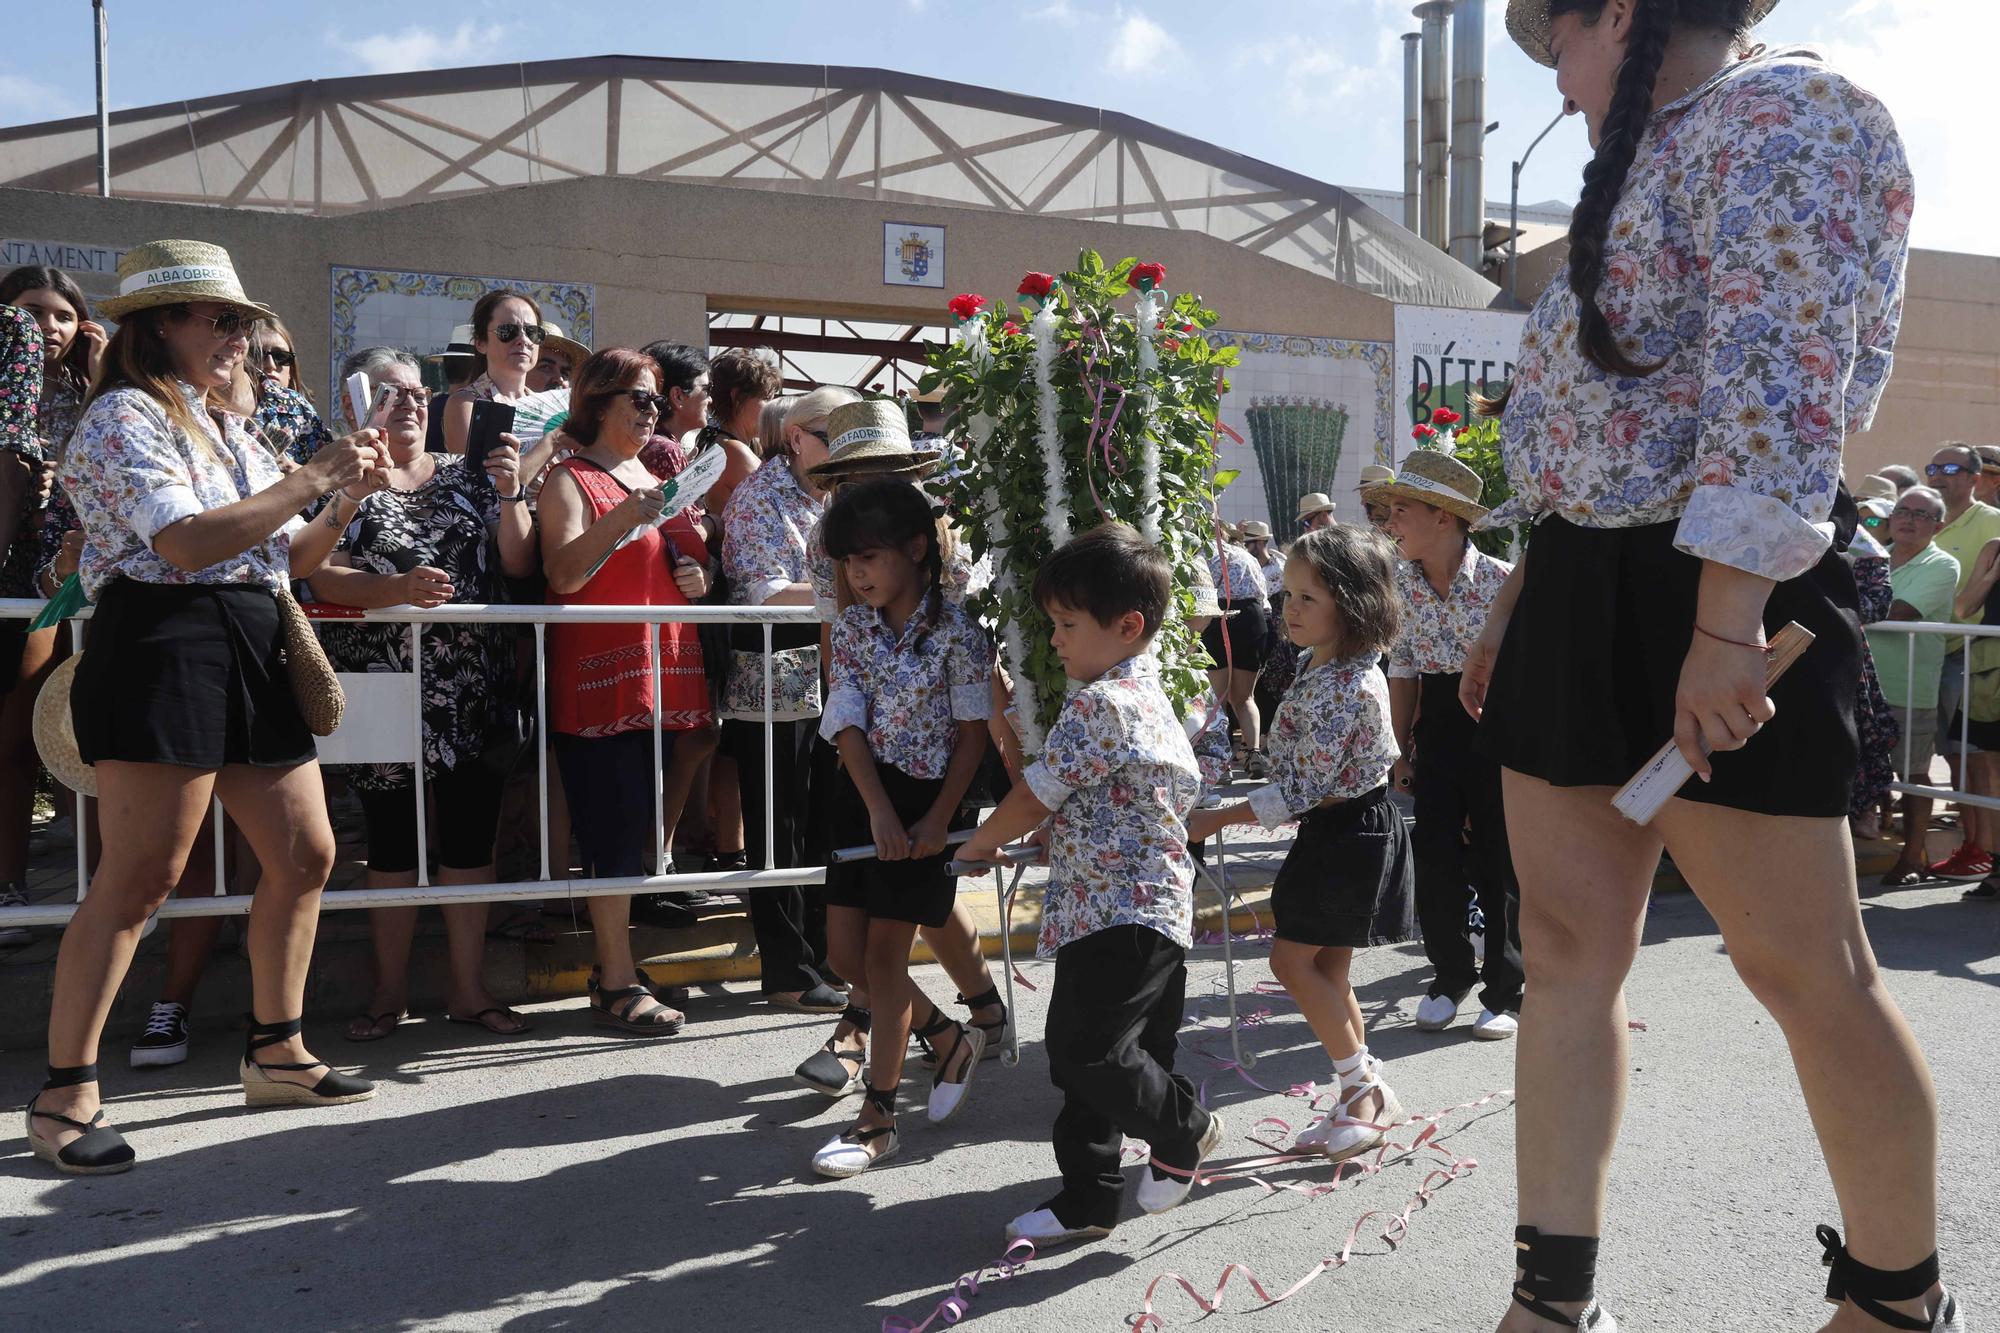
column 1927, row 581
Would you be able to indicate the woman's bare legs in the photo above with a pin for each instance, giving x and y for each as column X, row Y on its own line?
column 1243, row 699
column 18, row 760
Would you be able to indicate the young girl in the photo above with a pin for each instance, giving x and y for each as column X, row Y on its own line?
column 1346, row 882
column 907, row 704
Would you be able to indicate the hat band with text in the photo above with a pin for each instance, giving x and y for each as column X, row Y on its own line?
column 175, row 276
column 1410, row 481
column 864, row 434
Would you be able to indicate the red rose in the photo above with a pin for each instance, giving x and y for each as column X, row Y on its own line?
column 1171, row 344
column 1010, row 327
column 1147, row 276
column 1444, row 416
column 1036, row 284
column 967, row 305
column 1422, row 432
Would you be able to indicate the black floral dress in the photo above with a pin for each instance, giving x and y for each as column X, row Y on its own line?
column 467, row 684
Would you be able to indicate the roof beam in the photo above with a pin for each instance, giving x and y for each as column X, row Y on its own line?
column 367, row 112
column 974, row 151
column 461, row 164
column 807, row 111
column 1084, row 157
column 987, row 185
column 862, row 107
column 255, row 172
column 498, row 143
column 1152, row 183
column 354, row 158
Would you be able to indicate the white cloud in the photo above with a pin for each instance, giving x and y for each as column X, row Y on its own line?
column 25, row 101
column 1140, row 45
column 1891, row 50
column 418, row 47
column 1057, row 12
column 1312, row 76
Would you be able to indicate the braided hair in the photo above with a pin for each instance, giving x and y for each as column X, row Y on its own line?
column 1653, row 25
column 883, row 513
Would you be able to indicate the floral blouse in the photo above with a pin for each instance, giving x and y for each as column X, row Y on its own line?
column 1238, row 577
column 1207, row 728
column 20, row 382
column 289, row 422
column 1438, row 631
column 130, row 471
column 62, row 407
column 1758, row 250
column 765, row 532
column 1120, row 777
column 468, row 670
column 907, row 693
column 1331, row 739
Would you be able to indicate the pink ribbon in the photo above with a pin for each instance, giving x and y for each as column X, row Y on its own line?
column 957, row 1305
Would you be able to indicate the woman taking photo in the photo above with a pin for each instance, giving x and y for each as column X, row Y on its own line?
column 507, row 335
column 434, row 534
column 1674, row 429
column 602, row 677
column 280, row 406
column 183, row 693
column 72, row 346
column 766, row 535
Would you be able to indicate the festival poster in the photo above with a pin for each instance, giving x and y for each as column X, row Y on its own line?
column 1301, row 415
column 1444, row 355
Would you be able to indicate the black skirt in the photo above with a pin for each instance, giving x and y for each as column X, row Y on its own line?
column 921, row 892
column 190, row 674
column 1247, row 646
column 1583, row 693
column 1347, row 883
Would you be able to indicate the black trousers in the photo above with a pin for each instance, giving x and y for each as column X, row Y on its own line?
column 1458, row 794
column 1112, row 1020
column 789, row 923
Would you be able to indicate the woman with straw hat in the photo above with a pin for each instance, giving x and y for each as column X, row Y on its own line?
column 183, row 693
column 1674, row 431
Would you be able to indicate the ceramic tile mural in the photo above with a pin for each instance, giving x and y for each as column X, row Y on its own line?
column 1310, row 412
column 417, row 311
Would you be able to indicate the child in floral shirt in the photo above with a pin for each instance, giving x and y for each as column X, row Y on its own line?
column 1114, row 785
column 1346, row 883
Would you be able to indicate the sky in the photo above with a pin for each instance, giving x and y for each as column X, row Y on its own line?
column 1313, row 87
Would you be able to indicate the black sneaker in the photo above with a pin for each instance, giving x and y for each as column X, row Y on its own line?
column 165, row 1040
column 1985, row 891
column 662, row 911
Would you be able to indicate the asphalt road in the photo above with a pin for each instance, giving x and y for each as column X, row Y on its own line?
column 569, row 1180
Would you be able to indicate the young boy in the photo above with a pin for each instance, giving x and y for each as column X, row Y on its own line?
column 1114, row 784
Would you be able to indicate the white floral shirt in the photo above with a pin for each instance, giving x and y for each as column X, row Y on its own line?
column 963, row 576
column 764, row 532
column 1120, row 777
column 1238, row 577
column 1331, row 739
column 131, row 472
column 908, row 693
column 1207, row 728
column 1758, row 250
column 1438, row 631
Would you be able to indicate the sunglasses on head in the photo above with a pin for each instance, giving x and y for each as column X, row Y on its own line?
column 534, row 333
column 229, row 323
column 1946, row 469
column 281, row 357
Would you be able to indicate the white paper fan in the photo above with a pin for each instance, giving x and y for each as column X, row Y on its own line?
column 540, row 414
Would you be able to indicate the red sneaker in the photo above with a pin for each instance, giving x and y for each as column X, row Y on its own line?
column 1967, row 862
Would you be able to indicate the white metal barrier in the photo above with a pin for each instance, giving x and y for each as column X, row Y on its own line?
column 1965, row 634
column 369, row 742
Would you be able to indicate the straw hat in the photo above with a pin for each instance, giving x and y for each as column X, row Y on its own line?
column 1316, row 503
column 1373, row 475
column 459, row 346
column 1436, row 479
column 169, row 272
column 555, row 340
column 1874, row 487
column 871, row 437
column 55, row 733
column 1206, row 605
column 1252, row 531
column 1528, row 25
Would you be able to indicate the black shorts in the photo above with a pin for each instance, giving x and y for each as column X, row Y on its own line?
column 466, row 800
column 1583, row 693
column 1346, row 883
column 188, row 674
column 1248, row 641
column 920, row 892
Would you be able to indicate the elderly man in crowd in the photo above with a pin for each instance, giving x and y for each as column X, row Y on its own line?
column 1903, row 477
column 1923, row 578
column 1968, row 525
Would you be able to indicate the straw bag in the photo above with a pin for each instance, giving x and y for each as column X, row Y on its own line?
column 314, row 685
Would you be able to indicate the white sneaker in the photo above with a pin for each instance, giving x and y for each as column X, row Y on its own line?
column 1342, row 1135
column 1490, row 1026
column 946, row 1098
column 1435, row 1013
column 847, row 1154
column 1158, row 1193
column 11, row 896
column 1046, row 1231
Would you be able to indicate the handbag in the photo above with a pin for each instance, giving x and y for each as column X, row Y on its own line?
column 315, row 686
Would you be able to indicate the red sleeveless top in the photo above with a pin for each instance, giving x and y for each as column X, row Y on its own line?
column 601, row 676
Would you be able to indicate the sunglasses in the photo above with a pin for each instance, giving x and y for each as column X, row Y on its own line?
column 280, row 357
column 1873, row 520
column 1946, row 469
column 534, row 333
column 644, row 400
column 229, row 324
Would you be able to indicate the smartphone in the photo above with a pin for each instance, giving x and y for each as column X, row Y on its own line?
column 378, row 415
column 358, row 398
column 490, row 420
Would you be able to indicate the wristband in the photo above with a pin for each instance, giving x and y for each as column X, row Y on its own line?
column 520, row 497
column 353, row 500
column 1759, row 647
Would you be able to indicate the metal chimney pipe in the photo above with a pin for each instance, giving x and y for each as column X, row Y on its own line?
column 103, row 93
column 1468, row 133
column 1436, row 122
column 1413, row 134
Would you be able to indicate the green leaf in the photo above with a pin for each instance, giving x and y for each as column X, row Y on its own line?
column 1227, row 475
